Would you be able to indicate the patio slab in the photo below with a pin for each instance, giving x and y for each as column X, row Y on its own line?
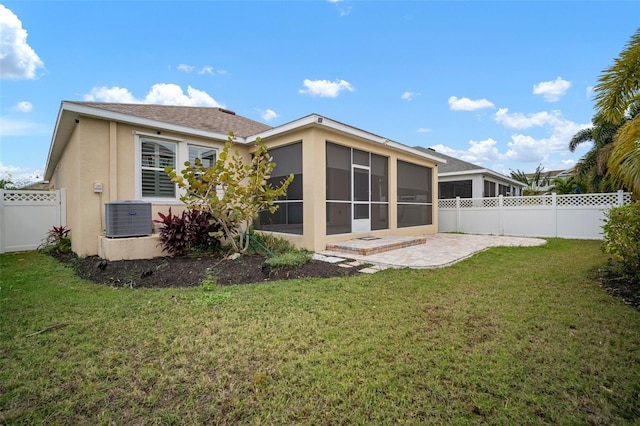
column 438, row 250
column 373, row 245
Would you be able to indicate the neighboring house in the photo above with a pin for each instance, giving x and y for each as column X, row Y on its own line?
column 36, row 186
column 546, row 181
column 348, row 183
column 458, row 178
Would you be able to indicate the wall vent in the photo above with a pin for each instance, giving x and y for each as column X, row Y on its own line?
column 128, row 219
column 227, row 111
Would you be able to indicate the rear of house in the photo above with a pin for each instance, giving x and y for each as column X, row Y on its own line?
column 348, row 183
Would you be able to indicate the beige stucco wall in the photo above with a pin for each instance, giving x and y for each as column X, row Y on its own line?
column 103, row 153
column 80, row 164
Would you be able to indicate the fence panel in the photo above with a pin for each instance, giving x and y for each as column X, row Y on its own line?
column 27, row 216
column 564, row 216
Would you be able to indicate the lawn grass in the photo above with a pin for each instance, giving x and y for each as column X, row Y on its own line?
column 509, row 336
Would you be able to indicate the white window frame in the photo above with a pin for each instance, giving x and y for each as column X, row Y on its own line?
column 200, row 146
column 182, row 155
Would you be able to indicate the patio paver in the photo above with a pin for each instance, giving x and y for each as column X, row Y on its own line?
column 438, row 251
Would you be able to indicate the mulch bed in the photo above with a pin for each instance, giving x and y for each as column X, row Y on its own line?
column 619, row 286
column 188, row 271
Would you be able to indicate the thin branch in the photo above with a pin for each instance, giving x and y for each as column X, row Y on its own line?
column 51, row 327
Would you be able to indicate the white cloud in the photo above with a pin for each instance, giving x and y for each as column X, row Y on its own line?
column 20, row 175
column 17, row 59
column 344, row 10
column 325, row 88
column 111, row 94
column 24, row 106
column 527, row 148
column 161, row 93
column 268, row 115
column 479, row 152
column 407, row 96
column 185, row 67
column 530, row 149
column 206, row 70
column 552, row 90
column 482, row 151
column 10, row 127
column 589, row 92
column 466, row 104
column 424, row 130
column 172, row 94
column 521, row 121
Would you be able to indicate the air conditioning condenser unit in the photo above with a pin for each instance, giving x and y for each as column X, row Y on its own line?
column 128, row 219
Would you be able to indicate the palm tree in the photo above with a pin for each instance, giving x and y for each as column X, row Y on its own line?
column 617, row 96
column 533, row 182
column 564, row 186
column 592, row 168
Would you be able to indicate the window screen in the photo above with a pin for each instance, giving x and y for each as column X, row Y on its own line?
column 288, row 217
column 414, row 195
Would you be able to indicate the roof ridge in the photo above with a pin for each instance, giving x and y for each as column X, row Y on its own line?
column 208, row 118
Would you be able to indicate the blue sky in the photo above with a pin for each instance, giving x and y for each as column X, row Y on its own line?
column 502, row 84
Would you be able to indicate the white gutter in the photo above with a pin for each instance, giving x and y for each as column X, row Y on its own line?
column 130, row 119
column 483, row 172
column 320, row 121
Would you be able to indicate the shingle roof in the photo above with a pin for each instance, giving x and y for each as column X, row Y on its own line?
column 202, row 118
column 453, row 164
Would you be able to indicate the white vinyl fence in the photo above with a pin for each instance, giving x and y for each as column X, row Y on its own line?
column 564, row 216
column 27, row 216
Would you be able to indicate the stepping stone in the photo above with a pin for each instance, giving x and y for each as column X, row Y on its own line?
column 373, row 269
column 329, row 259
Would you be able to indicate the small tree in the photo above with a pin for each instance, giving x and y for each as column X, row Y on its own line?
column 534, row 182
column 7, row 183
column 232, row 190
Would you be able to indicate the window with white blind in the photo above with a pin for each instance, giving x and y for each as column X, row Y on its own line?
column 155, row 156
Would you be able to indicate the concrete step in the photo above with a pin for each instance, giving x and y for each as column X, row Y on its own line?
column 373, row 245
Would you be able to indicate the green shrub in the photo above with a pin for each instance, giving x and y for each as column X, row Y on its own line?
column 277, row 245
column 57, row 241
column 622, row 239
column 192, row 230
column 290, row 258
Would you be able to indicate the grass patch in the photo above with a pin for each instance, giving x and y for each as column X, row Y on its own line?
column 290, row 258
column 508, row 336
column 212, row 293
